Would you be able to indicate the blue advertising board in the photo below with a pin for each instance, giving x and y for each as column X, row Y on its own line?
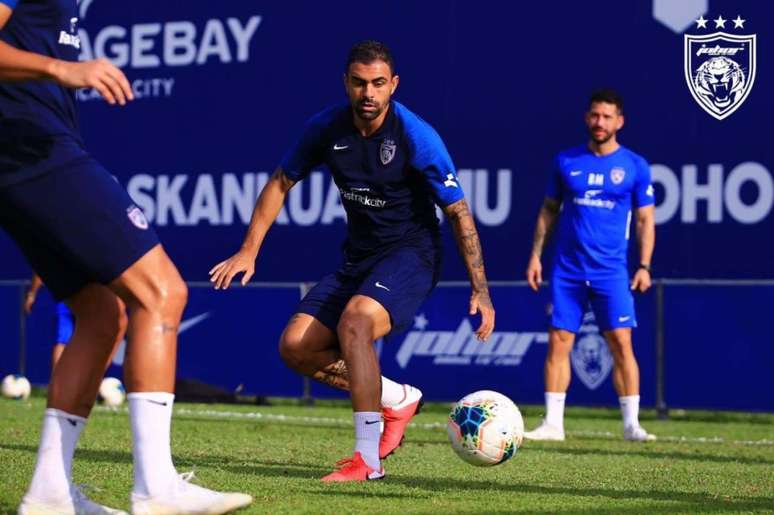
column 223, row 88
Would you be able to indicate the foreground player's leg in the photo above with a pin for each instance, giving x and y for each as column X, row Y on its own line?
column 310, row 348
column 156, row 295
column 363, row 321
column 73, row 389
column 626, row 378
column 557, row 379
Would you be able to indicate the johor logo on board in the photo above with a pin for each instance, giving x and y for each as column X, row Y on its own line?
column 719, row 67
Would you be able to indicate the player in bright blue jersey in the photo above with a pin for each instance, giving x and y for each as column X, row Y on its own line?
column 391, row 169
column 65, row 322
column 92, row 246
column 593, row 191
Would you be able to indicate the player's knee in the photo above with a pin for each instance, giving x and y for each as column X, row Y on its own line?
column 167, row 296
column 291, row 349
column 354, row 326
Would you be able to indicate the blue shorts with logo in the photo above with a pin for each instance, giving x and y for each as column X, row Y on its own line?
column 75, row 225
column 610, row 299
column 65, row 323
column 400, row 280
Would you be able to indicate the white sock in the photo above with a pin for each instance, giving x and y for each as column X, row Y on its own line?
column 397, row 396
column 630, row 410
column 555, row 409
column 150, row 414
column 53, row 470
column 367, row 436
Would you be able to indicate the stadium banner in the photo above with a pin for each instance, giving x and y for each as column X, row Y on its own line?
column 222, row 90
column 718, row 350
column 442, row 356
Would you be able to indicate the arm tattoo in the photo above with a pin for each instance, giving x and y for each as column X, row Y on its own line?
column 335, row 375
column 545, row 225
column 468, row 243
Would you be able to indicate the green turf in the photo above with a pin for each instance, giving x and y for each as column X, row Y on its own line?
column 279, row 460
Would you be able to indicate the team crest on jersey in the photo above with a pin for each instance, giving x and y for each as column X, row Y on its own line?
column 617, row 175
column 387, row 151
column 137, row 217
column 720, row 67
column 590, row 357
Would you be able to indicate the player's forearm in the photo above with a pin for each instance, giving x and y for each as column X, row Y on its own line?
column 266, row 210
column 35, row 284
column 646, row 239
column 543, row 229
column 18, row 65
column 468, row 243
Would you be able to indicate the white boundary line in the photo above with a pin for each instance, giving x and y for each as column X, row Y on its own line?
column 433, row 426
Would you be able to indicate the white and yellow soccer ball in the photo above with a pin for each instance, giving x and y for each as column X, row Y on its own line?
column 111, row 392
column 16, row 386
column 485, row 428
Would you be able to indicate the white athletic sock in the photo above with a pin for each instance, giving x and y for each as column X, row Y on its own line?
column 367, row 435
column 397, row 396
column 555, row 409
column 150, row 414
column 53, row 470
column 630, row 410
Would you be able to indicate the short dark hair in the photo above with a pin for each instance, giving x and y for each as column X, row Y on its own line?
column 608, row 96
column 369, row 51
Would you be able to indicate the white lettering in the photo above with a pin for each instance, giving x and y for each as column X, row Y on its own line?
column 119, row 52
column 668, row 180
column 758, row 210
column 310, row 215
column 142, row 42
column 168, row 200
column 204, row 205
column 235, row 196
column 499, row 214
column 179, row 45
column 139, row 188
column 214, row 43
column 243, row 35
column 712, row 192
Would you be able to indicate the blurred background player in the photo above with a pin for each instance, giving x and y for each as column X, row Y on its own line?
column 391, row 169
column 82, row 233
column 592, row 191
column 65, row 322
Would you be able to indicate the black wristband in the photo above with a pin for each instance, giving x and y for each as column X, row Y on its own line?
column 644, row 267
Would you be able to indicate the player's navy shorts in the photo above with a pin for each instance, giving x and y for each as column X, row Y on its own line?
column 610, row 299
column 400, row 280
column 65, row 323
column 75, row 225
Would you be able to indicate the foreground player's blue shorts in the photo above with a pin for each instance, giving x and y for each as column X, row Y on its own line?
column 75, row 225
column 65, row 323
column 400, row 280
column 610, row 299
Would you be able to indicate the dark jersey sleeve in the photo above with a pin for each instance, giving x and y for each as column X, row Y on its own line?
column 308, row 151
column 9, row 3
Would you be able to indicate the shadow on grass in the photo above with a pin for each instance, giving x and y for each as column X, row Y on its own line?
column 6, row 508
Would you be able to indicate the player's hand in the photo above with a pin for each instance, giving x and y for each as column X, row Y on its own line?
column 29, row 300
column 480, row 302
column 641, row 281
column 535, row 272
column 222, row 273
column 99, row 74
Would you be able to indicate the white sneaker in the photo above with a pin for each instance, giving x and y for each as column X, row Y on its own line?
column 77, row 504
column 188, row 498
column 545, row 432
column 638, row 434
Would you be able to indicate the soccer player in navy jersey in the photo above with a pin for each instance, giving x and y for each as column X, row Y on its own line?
column 91, row 245
column 391, row 169
column 591, row 193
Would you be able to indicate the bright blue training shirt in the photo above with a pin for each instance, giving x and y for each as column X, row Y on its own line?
column 388, row 181
column 39, row 128
column 597, row 194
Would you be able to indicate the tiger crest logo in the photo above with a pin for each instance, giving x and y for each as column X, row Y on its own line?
column 720, row 67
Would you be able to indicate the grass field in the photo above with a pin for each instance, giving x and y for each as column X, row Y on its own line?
column 703, row 462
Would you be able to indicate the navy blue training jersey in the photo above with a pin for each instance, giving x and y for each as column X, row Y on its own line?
column 38, row 121
column 389, row 181
column 597, row 195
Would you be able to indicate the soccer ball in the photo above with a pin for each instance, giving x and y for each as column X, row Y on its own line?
column 16, row 386
column 485, row 428
column 111, row 392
